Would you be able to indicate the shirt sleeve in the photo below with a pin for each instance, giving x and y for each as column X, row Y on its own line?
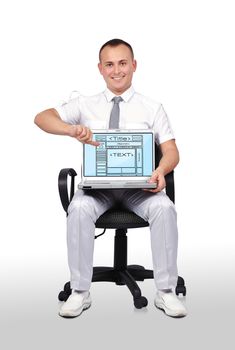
column 162, row 127
column 70, row 111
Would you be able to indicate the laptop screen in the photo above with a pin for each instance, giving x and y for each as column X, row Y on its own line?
column 119, row 154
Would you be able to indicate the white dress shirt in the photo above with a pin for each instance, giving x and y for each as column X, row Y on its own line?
column 136, row 112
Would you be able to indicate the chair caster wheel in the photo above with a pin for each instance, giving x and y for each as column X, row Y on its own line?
column 180, row 290
column 63, row 296
column 140, row 302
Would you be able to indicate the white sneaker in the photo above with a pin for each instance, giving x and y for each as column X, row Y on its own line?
column 170, row 303
column 75, row 304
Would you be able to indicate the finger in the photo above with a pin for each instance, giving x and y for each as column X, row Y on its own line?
column 90, row 141
column 160, row 188
column 79, row 130
column 93, row 143
column 150, row 190
column 84, row 134
column 75, row 130
column 153, row 178
column 155, row 190
column 88, row 137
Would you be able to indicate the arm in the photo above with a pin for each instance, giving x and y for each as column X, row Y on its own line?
column 50, row 121
column 169, row 160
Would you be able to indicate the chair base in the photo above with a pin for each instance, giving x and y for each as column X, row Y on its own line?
column 127, row 277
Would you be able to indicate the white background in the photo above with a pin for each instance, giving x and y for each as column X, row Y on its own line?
column 185, row 54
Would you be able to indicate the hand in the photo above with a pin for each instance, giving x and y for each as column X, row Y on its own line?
column 159, row 178
column 82, row 134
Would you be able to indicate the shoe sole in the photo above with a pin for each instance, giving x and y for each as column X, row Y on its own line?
column 76, row 314
column 168, row 312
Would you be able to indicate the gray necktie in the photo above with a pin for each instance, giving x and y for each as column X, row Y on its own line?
column 114, row 116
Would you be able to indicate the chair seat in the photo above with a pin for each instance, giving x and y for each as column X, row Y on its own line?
column 120, row 219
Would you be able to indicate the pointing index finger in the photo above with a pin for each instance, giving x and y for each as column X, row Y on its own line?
column 93, row 143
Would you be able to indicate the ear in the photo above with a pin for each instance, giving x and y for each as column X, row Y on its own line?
column 134, row 63
column 100, row 67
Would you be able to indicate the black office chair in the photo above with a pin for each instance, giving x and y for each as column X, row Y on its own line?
column 119, row 219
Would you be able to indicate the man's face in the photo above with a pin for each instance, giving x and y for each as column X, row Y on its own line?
column 117, row 67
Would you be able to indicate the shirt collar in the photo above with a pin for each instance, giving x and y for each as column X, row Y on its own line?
column 126, row 95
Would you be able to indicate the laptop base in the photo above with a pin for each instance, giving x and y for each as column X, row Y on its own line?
column 116, row 185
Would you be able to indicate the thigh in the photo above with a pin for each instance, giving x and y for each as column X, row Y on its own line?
column 97, row 200
column 143, row 203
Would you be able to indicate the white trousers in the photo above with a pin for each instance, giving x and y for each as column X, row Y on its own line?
column 156, row 208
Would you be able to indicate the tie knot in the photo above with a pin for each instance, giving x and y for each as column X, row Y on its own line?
column 117, row 99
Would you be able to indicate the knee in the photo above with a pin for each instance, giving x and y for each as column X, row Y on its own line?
column 163, row 204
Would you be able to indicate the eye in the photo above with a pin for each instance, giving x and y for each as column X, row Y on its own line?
column 109, row 65
column 123, row 64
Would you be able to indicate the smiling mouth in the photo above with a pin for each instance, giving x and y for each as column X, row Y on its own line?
column 117, row 78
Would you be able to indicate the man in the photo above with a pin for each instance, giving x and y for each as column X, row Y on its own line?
column 76, row 119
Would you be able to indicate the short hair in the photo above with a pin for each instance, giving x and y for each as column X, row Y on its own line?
column 114, row 43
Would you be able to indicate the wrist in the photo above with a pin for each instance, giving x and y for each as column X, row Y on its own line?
column 160, row 170
column 70, row 130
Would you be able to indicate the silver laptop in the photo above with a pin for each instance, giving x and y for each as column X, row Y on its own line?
column 123, row 159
